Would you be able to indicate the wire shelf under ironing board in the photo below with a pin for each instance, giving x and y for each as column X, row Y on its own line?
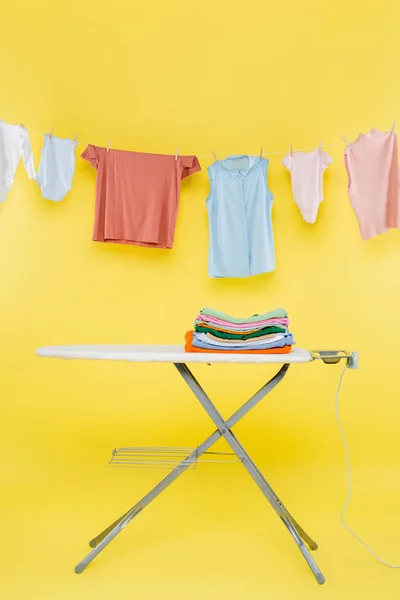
column 167, row 457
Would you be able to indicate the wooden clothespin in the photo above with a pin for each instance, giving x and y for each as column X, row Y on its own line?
column 291, row 150
column 214, row 155
column 108, row 145
column 176, row 154
column 51, row 132
column 261, row 153
column 23, row 126
column 393, row 126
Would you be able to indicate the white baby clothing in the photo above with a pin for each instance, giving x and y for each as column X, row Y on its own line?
column 14, row 143
column 56, row 168
column 306, row 171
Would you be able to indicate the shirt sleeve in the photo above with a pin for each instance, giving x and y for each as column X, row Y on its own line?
column 287, row 161
column 326, row 160
column 27, row 155
column 189, row 165
column 92, row 155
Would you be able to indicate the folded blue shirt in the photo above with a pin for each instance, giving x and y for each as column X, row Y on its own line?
column 199, row 341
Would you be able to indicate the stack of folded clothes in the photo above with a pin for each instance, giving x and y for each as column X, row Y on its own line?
column 260, row 334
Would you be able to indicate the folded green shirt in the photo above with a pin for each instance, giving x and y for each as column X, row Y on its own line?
column 240, row 336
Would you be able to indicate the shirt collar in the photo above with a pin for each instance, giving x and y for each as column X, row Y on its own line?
column 234, row 172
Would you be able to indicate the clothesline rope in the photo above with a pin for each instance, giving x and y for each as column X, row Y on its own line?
column 267, row 153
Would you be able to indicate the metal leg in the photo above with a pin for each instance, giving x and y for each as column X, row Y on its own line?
column 103, row 539
column 268, row 387
column 304, row 536
column 194, row 385
column 311, row 563
column 260, row 480
column 274, row 501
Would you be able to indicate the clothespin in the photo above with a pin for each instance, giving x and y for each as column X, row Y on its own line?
column 176, row 154
column 344, row 139
column 291, row 150
column 108, row 145
column 394, row 126
column 51, row 131
column 22, row 125
column 214, row 155
column 261, row 153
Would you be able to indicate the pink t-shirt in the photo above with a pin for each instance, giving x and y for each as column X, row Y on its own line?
column 373, row 172
column 137, row 195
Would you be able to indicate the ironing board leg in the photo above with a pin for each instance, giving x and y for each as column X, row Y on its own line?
column 269, row 493
column 247, row 406
column 103, row 539
column 296, row 531
column 233, row 420
column 255, row 473
column 311, row 562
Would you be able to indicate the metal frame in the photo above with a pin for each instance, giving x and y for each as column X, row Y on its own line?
column 223, row 430
column 166, row 457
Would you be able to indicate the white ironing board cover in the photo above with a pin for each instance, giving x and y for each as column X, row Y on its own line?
column 169, row 354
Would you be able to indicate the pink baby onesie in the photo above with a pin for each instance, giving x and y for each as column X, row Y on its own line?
column 373, row 172
column 306, row 171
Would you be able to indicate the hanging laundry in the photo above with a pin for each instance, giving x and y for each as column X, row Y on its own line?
column 239, row 214
column 14, row 144
column 306, row 171
column 373, row 181
column 137, row 195
column 56, row 168
column 219, row 332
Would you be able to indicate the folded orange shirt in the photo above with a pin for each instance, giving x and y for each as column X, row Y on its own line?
column 190, row 348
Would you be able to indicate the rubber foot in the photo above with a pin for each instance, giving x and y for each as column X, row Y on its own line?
column 92, row 544
column 79, row 568
column 320, row 578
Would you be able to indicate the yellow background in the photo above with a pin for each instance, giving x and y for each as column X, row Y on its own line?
column 229, row 76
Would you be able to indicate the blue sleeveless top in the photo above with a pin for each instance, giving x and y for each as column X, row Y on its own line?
column 239, row 216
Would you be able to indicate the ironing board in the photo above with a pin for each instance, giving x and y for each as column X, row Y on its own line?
column 179, row 358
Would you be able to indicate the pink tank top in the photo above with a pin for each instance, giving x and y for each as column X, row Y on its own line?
column 373, row 173
column 137, row 195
